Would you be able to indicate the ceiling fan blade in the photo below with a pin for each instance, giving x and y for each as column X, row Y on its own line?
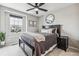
column 30, row 4
column 29, row 9
column 36, row 12
column 42, row 9
column 41, row 4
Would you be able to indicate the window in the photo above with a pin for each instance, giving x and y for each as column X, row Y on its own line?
column 16, row 23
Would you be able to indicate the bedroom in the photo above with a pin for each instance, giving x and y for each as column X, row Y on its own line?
column 66, row 15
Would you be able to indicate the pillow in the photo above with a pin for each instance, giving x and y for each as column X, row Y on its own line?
column 46, row 30
column 54, row 30
column 51, row 30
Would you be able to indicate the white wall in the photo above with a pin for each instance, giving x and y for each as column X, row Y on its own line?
column 12, row 38
column 68, row 17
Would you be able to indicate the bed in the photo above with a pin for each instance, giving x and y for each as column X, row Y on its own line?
column 36, row 44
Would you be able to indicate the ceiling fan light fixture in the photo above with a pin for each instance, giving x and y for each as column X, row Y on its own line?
column 36, row 9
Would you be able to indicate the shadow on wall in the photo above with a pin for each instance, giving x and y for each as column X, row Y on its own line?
column 72, row 40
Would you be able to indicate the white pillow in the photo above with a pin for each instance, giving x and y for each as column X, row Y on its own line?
column 50, row 31
column 46, row 31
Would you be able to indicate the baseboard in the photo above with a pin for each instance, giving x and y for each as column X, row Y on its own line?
column 73, row 48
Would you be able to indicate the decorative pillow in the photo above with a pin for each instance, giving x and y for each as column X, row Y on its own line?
column 46, row 30
column 50, row 31
column 54, row 30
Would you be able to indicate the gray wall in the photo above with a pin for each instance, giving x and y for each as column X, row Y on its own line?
column 68, row 17
column 29, row 28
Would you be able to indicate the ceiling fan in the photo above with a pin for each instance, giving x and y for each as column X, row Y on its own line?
column 36, row 7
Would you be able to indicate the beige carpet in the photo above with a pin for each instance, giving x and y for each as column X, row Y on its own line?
column 59, row 52
column 15, row 50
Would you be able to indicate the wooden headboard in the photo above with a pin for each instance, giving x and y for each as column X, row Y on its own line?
column 53, row 26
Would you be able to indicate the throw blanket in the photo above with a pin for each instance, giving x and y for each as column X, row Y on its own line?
column 38, row 37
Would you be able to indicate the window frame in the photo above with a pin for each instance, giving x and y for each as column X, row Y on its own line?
column 16, row 17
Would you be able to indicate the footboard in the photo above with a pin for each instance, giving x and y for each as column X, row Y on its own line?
column 26, row 47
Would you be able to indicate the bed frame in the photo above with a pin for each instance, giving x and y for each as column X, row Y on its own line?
column 31, row 47
column 23, row 47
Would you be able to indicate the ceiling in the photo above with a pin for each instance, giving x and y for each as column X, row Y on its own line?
column 24, row 6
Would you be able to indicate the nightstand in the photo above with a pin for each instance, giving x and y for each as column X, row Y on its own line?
column 62, row 42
